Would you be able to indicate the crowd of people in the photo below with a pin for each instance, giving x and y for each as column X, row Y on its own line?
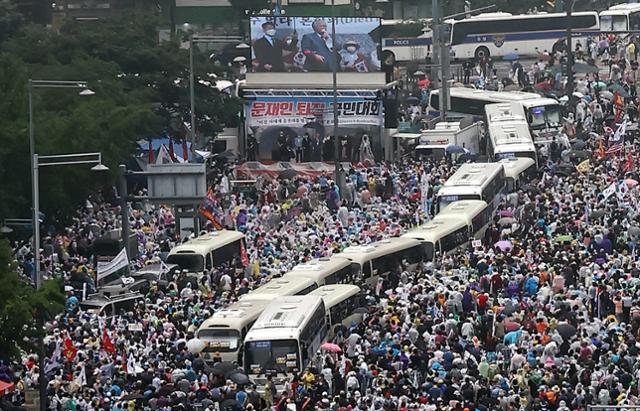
column 540, row 317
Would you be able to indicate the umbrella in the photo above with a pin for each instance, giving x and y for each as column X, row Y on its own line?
column 511, row 56
column 331, row 347
column 239, row 378
column 530, row 188
column 195, row 345
column 506, row 221
column 579, row 144
column 133, row 396
column 419, row 73
column 634, row 231
column 222, row 368
column 230, row 404
column 566, row 330
column 453, row 149
column 166, row 390
column 585, row 68
column 600, row 85
column 565, row 238
column 223, row 84
column 287, row 174
column 510, row 325
column 504, row 245
column 239, row 58
column 579, row 155
column 412, row 99
column 630, row 182
column 578, row 94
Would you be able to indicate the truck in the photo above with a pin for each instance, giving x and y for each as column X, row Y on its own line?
column 463, row 133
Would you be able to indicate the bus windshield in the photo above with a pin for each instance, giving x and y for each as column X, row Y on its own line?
column 220, row 340
column 613, row 23
column 444, row 201
column 545, row 116
column 194, row 263
column 274, row 357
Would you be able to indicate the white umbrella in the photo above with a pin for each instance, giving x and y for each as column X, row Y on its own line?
column 239, row 58
column 195, row 345
column 223, row 84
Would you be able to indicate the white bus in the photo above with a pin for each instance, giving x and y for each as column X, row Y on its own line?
column 518, row 171
column 621, row 17
column 475, row 181
column 508, row 131
column 285, row 338
column 500, row 34
column 331, row 270
column 440, row 235
column 544, row 115
column 371, row 261
column 340, row 301
column 224, row 331
column 208, row 251
column 476, row 213
column 280, row 287
column 405, row 40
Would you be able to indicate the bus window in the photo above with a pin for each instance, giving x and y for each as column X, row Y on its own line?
column 428, row 251
column 187, row 261
column 307, row 290
column 226, row 253
column 455, row 239
column 413, row 255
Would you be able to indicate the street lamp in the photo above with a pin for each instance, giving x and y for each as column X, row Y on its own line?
column 31, row 84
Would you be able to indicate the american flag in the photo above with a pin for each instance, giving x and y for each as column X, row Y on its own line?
column 614, row 148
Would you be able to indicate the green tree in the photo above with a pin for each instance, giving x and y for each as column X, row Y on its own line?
column 22, row 308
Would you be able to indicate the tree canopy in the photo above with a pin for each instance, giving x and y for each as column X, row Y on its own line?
column 141, row 88
column 22, row 308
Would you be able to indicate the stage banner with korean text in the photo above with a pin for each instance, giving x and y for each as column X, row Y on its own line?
column 302, row 111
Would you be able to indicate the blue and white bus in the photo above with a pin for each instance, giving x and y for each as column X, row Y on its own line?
column 500, row 34
column 405, row 40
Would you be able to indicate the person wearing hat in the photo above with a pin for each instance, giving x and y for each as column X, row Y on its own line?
column 351, row 59
column 268, row 50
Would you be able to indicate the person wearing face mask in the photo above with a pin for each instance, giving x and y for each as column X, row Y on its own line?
column 268, row 50
column 351, row 59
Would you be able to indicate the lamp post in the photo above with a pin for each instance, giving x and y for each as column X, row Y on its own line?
column 336, row 139
column 49, row 161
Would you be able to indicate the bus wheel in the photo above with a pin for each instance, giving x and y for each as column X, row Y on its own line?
column 481, row 52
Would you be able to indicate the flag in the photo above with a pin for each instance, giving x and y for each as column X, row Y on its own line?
column 620, row 132
column 81, row 378
column 628, row 165
column 614, row 148
column 130, row 365
column 583, row 167
column 107, row 345
column 244, row 257
column 618, row 105
column 209, row 209
column 70, row 350
column 623, row 189
column 164, row 157
column 172, row 153
column 185, row 150
column 609, row 191
column 164, row 268
column 119, row 262
column 152, row 156
column 600, row 153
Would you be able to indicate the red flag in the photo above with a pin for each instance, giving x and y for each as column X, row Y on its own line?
column 628, row 165
column 172, row 153
column 185, row 150
column 209, row 216
column 618, row 104
column 70, row 350
column 152, row 156
column 107, row 345
column 124, row 361
column 244, row 257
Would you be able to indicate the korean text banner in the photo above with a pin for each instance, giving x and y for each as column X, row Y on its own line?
column 298, row 112
column 305, row 44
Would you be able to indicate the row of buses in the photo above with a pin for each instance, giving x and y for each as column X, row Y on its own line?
column 502, row 34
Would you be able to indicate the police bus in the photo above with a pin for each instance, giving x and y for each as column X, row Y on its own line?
column 508, row 131
column 475, row 181
column 326, row 270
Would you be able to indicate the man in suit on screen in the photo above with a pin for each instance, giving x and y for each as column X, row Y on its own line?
column 268, row 50
column 315, row 47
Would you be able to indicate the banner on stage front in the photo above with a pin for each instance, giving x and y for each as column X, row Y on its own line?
column 312, row 112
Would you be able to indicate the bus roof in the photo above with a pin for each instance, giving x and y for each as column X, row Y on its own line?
column 466, row 209
column 436, row 229
column 207, row 242
column 508, row 133
column 526, row 99
column 621, row 9
column 472, row 174
column 235, row 316
column 496, row 16
column 507, row 111
column 335, row 293
column 278, row 287
column 289, row 314
column 363, row 253
column 318, row 268
column 513, row 167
